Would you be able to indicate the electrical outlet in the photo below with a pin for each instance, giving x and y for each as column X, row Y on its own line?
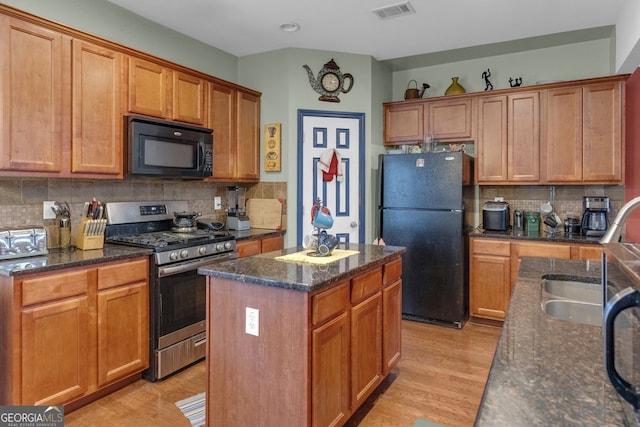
column 252, row 325
column 47, row 212
column 498, row 199
column 217, row 203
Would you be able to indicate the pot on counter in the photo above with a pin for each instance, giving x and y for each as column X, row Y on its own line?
column 572, row 226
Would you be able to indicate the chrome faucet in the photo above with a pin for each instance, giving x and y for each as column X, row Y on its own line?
column 615, row 231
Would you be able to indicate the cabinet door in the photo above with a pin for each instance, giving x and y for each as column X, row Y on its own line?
column 54, row 352
column 366, row 348
column 149, row 88
column 31, row 105
column 536, row 249
column 249, row 248
column 330, row 372
column 403, row 123
column 274, row 243
column 561, row 148
column 490, row 289
column 391, row 325
column 602, row 133
column 491, row 147
column 222, row 119
column 96, row 110
column 123, row 332
column 248, row 132
column 523, row 136
column 188, row 98
column 450, row 120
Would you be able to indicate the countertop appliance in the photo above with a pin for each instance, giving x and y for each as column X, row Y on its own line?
column 22, row 242
column 237, row 218
column 177, row 293
column 162, row 148
column 421, row 207
column 495, row 216
column 595, row 219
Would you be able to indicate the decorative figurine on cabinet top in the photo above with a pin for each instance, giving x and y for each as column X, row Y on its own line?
column 515, row 83
column 330, row 81
column 485, row 76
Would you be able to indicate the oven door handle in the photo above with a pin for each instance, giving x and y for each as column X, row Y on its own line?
column 184, row 267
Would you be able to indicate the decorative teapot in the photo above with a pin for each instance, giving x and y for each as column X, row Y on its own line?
column 330, row 81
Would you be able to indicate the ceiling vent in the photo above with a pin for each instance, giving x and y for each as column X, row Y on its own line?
column 394, row 10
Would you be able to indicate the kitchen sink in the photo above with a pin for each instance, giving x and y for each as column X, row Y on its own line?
column 574, row 311
column 573, row 289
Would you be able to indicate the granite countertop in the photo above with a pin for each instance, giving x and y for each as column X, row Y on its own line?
column 58, row 258
column 265, row 270
column 550, row 372
column 541, row 236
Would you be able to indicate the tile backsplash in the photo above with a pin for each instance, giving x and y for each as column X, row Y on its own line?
column 21, row 198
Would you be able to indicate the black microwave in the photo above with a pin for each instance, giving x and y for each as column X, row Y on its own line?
column 168, row 149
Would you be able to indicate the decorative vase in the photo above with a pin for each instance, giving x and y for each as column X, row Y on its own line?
column 455, row 87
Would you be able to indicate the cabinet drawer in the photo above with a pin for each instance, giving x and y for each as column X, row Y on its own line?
column 249, row 248
column 491, row 247
column 544, row 250
column 122, row 273
column 392, row 271
column 329, row 303
column 366, row 284
column 272, row 244
column 53, row 287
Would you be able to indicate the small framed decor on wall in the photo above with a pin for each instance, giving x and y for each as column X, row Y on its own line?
column 272, row 151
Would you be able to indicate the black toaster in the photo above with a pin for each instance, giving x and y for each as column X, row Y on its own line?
column 495, row 216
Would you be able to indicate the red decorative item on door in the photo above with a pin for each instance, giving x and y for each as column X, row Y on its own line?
column 330, row 165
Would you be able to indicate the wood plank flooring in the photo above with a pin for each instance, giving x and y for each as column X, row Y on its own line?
column 440, row 377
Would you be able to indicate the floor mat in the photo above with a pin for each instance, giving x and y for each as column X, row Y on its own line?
column 424, row 423
column 194, row 409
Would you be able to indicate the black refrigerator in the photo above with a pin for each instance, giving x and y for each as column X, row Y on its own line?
column 421, row 205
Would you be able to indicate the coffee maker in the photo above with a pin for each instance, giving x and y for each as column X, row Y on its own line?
column 595, row 219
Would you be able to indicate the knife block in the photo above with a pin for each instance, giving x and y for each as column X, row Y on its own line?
column 85, row 242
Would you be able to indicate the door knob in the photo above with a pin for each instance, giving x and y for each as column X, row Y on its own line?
column 354, row 224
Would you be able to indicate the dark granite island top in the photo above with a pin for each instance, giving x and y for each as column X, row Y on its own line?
column 266, row 270
column 549, row 372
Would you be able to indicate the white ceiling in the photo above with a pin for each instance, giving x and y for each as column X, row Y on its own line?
column 245, row 27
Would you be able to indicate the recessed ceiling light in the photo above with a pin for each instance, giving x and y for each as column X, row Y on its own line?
column 290, row 27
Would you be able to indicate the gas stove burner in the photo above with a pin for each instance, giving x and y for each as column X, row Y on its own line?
column 184, row 230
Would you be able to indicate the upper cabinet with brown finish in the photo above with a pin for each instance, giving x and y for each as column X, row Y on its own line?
column 403, row 123
column 449, row 119
column 582, row 139
column 158, row 91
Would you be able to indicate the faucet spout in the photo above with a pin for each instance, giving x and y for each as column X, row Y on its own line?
column 614, row 232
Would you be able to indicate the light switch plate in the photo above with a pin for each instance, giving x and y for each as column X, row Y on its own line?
column 47, row 212
column 217, row 203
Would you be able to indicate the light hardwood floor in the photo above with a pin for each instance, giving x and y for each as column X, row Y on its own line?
column 440, row 377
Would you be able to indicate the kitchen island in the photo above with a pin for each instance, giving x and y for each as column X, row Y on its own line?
column 546, row 371
column 299, row 343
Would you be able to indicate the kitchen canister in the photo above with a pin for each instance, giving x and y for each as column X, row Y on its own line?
column 532, row 222
column 518, row 221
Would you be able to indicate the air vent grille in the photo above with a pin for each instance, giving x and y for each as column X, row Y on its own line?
column 394, row 10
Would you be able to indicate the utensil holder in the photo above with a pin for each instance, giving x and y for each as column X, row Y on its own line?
column 88, row 242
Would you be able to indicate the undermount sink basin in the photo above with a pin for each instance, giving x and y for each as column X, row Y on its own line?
column 573, row 289
column 574, row 311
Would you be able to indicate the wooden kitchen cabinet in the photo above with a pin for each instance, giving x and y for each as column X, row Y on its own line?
column 449, row 119
column 234, row 116
column 403, row 123
column 159, row 91
column 490, row 273
column 391, row 314
column 582, row 134
column 508, row 139
column 255, row 246
column 96, row 144
column 73, row 332
column 35, row 62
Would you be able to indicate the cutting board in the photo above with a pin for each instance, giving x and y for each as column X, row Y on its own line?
column 265, row 213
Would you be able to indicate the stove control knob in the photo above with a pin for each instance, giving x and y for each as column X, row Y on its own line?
column 227, row 245
column 184, row 253
column 219, row 247
column 202, row 250
column 173, row 256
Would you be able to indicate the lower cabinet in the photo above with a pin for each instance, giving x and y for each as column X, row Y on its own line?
column 74, row 332
column 494, row 265
column 257, row 246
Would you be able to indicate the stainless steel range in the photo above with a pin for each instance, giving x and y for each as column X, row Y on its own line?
column 177, row 292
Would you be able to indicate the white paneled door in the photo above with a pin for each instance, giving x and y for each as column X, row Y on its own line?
column 331, row 168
